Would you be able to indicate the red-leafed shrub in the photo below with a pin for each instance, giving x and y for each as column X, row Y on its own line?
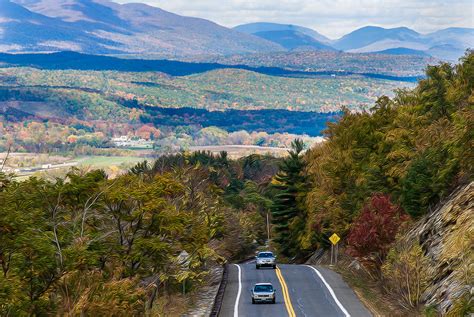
column 375, row 230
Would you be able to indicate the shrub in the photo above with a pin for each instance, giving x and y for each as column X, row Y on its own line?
column 405, row 274
column 375, row 229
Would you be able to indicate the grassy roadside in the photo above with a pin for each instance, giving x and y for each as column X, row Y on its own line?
column 366, row 287
column 369, row 292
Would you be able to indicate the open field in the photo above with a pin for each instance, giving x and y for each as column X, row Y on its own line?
column 24, row 165
column 107, row 161
column 236, row 151
column 42, row 165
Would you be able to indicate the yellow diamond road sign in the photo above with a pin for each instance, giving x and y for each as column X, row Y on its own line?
column 334, row 239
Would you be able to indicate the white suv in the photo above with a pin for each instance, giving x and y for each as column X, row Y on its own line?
column 265, row 259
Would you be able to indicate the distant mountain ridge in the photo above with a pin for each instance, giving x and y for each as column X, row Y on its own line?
column 447, row 44
column 371, row 34
column 106, row 27
column 252, row 28
column 293, row 40
column 402, row 51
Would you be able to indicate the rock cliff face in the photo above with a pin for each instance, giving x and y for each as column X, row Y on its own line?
column 446, row 237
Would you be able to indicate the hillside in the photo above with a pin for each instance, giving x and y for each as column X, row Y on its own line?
column 74, row 60
column 216, row 90
column 395, row 183
column 446, row 236
column 446, row 44
column 371, row 34
column 293, row 40
column 402, row 51
column 331, row 62
column 207, row 209
column 105, row 27
column 252, row 28
column 72, row 109
column 289, row 36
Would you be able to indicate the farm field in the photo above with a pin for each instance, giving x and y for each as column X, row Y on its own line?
column 107, row 161
column 28, row 164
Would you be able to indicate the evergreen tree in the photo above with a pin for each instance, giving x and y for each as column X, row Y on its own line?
column 287, row 215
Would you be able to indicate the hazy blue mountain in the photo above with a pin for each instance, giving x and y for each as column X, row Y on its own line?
column 293, row 40
column 446, row 52
column 100, row 26
column 106, row 27
column 252, row 28
column 457, row 36
column 402, row 51
column 23, row 30
column 446, row 44
column 450, row 43
column 371, row 34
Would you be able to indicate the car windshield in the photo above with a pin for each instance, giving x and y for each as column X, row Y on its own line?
column 263, row 289
column 265, row 255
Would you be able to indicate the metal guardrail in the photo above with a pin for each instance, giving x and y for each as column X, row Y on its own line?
column 216, row 307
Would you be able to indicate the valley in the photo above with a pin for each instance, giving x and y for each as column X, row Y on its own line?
column 154, row 160
column 394, row 183
column 77, row 109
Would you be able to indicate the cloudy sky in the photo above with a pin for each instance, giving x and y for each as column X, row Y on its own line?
column 332, row 18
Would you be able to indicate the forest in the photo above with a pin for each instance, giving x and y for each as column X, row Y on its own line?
column 87, row 244
column 377, row 173
column 81, row 111
column 409, row 67
column 370, row 65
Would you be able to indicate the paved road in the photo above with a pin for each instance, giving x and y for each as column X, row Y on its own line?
column 301, row 291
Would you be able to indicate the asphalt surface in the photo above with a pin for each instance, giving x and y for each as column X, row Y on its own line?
column 300, row 291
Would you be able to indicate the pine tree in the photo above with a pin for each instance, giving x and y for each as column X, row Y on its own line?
column 288, row 185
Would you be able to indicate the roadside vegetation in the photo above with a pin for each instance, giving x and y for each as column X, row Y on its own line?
column 89, row 244
column 378, row 173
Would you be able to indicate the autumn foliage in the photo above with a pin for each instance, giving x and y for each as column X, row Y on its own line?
column 375, row 229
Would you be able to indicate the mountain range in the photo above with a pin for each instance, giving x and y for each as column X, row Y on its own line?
column 446, row 44
column 106, row 27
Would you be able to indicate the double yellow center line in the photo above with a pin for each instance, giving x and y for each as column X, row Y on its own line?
column 286, row 294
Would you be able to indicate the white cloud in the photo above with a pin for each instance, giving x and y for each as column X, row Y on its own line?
column 332, row 18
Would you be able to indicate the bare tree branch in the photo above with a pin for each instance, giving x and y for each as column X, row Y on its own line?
column 91, row 202
column 6, row 157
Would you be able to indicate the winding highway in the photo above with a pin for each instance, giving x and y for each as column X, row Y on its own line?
column 301, row 290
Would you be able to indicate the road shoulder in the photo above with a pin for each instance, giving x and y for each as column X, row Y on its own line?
column 231, row 289
column 344, row 293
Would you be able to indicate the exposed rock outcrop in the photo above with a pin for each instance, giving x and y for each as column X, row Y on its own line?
column 446, row 236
